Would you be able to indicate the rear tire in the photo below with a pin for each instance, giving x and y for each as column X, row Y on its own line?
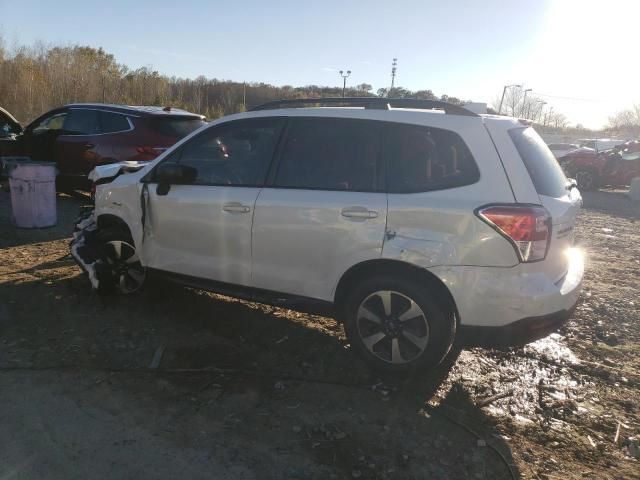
column 120, row 270
column 397, row 326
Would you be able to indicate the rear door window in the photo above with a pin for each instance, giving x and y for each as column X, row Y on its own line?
column 114, row 122
column 82, row 122
column 330, row 154
column 419, row 159
column 175, row 127
column 545, row 172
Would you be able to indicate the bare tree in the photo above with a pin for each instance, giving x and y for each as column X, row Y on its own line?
column 626, row 122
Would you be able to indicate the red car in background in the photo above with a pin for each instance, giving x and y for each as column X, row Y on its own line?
column 78, row 137
column 614, row 168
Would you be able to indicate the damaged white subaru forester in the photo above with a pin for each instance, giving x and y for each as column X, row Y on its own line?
column 417, row 223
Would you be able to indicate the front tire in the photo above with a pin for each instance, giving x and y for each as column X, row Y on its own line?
column 121, row 271
column 587, row 180
column 397, row 326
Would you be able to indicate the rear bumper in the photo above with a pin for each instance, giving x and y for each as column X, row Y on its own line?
column 515, row 334
column 512, row 306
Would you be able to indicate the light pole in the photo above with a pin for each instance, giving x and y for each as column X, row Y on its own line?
column 504, row 90
column 548, row 116
column 524, row 102
column 344, row 80
column 541, row 104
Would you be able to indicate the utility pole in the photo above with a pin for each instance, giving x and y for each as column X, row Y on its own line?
column 244, row 95
column 504, row 90
column 344, row 80
column 394, row 68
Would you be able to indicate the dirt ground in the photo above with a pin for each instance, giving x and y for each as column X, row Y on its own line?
column 179, row 383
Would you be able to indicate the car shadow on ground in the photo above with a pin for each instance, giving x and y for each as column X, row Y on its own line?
column 613, row 202
column 285, row 381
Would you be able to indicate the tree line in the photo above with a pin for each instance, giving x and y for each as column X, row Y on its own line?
column 516, row 103
column 35, row 79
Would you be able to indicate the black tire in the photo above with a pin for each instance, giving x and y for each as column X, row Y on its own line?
column 587, row 180
column 118, row 273
column 437, row 334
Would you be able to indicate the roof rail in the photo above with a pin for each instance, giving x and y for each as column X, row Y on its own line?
column 375, row 103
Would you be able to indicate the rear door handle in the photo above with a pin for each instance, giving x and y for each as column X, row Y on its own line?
column 358, row 212
column 236, row 207
column 88, row 145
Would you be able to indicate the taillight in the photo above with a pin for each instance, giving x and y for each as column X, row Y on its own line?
column 528, row 228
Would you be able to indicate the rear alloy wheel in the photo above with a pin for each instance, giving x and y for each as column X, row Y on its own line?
column 586, row 180
column 392, row 327
column 397, row 327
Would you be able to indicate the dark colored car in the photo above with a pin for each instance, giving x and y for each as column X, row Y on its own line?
column 78, row 137
column 615, row 167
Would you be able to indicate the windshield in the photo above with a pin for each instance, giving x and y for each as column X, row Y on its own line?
column 545, row 172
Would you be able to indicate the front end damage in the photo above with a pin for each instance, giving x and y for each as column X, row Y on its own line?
column 85, row 248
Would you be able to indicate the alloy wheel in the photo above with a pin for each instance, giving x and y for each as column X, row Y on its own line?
column 392, row 327
column 128, row 272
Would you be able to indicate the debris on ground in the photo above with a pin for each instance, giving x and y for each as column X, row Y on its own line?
column 245, row 390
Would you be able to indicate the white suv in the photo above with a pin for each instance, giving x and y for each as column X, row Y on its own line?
column 417, row 222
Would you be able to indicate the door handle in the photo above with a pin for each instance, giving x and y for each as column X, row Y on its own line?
column 88, row 145
column 236, row 207
column 358, row 212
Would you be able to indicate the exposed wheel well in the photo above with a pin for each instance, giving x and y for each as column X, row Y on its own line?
column 107, row 221
column 397, row 268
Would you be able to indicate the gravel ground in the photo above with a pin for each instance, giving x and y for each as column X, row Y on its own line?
column 247, row 391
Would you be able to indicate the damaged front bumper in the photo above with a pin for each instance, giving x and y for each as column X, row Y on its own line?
column 84, row 247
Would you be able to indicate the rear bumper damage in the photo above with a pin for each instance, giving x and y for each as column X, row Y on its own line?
column 84, row 249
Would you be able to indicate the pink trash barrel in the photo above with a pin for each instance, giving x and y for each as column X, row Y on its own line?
column 33, row 194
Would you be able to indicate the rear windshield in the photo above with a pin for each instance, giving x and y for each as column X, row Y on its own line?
column 175, row 126
column 543, row 168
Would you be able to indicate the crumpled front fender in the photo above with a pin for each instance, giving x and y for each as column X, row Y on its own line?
column 112, row 170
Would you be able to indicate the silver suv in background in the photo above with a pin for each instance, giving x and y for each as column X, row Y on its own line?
column 416, row 222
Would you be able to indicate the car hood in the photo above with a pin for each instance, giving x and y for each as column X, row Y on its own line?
column 112, row 170
column 4, row 114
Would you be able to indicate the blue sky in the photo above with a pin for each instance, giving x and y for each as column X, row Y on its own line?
column 465, row 48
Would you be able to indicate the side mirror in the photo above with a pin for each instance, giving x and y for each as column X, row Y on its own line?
column 168, row 174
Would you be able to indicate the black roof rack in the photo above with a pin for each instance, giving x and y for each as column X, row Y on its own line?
column 375, row 103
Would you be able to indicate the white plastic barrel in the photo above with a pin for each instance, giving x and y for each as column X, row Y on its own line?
column 33, row 194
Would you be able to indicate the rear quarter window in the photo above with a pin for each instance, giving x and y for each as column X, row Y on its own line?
column 545, row 172
column 114, row 122
column 175, row 126
column 419, row 159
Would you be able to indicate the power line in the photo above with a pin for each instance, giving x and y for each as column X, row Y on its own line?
column 568, row 98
